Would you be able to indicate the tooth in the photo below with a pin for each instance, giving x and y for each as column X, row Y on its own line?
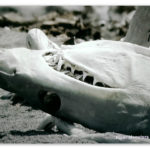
column 65, row 72
column 105, row 85
column 60, row 63
column 55, row 67
column 84, row 75
column 67, row 65
column 56, row 58
column 78, row 77
column 51, row 62
column 47, row 58
column 72, row 70
column 50, row 59
column 52, row 65
column 95, row 81
column 70, row 74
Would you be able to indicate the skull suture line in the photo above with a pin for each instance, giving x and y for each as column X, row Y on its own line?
column 103, row 85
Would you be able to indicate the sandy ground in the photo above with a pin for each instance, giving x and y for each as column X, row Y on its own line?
column 18, row 123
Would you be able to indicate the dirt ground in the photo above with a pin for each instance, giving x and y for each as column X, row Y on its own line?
column 18, row 121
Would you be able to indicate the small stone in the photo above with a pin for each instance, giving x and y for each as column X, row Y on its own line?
column 6, row 28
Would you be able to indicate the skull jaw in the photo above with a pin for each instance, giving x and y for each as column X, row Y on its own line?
column 94, row 107
column 77, row 106
column 72, row 104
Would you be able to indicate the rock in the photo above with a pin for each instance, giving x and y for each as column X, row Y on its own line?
column 15, row 20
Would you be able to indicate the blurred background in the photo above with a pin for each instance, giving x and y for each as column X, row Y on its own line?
column 64, row 24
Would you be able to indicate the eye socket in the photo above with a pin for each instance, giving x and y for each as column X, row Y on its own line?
column 50, row 102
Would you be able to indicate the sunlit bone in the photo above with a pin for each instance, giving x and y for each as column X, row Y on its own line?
column 34, row 42
column 123, row 107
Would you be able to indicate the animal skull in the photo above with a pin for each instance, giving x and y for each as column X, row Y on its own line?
column 103, row 85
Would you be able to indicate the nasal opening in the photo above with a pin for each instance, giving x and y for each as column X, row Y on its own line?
column 50, row 102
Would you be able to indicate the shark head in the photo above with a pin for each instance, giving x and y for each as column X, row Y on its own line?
column 103, row 85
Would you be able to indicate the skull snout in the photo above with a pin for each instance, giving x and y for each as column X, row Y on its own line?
column 36, row 40
column 50, row 102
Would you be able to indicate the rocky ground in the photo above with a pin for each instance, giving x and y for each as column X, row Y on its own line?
column 63, row 25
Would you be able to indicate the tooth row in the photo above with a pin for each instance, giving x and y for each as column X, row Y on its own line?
column 53, row 60
column 56, row 61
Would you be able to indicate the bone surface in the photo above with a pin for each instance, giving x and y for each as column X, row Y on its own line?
column 103, row 85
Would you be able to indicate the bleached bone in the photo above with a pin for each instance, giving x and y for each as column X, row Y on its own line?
column 48, row 121
column 123, row 107
column 67, row 65
column 72, row 69
column 85, row 74
column 60, row 63
column 33, row 41
column 79, row 77
column 47, row 58
column 95, row 81
column 65, row 72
